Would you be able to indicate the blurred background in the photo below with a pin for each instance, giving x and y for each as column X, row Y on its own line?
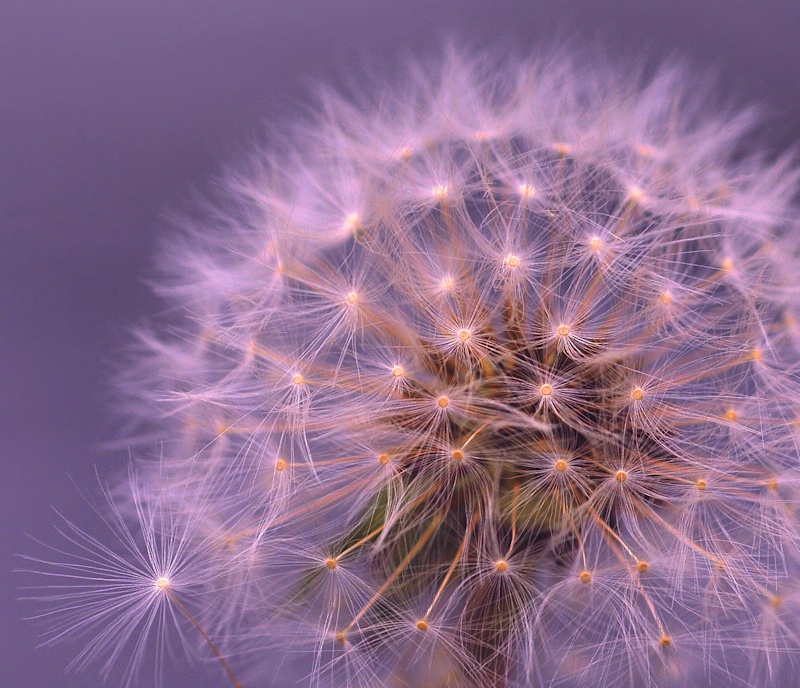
column 111, row 110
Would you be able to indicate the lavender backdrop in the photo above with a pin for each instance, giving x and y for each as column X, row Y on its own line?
column 109, row 110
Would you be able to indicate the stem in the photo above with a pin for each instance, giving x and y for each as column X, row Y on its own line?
column 208, row 640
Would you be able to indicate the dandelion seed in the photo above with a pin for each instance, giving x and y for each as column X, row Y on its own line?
column 125, row 596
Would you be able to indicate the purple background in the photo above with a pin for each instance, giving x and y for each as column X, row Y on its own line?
column 110, row 109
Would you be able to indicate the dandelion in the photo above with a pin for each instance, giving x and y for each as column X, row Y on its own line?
column 493, row 384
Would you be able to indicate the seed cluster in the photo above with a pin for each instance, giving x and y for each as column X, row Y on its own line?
column 494, row 385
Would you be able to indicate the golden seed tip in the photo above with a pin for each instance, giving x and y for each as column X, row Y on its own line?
column 666, row 298
column 635, row 193
column 773, row 484
column 560, row 465
column 546, row 389
column 351, row 222
column 384, row 459
column 526, row 190
column 458, row 454
column 281, row 465
column 666, row 640
column 331, row 563
column 731, row 415
column 775, row 601
column 637, row 394
column 447, row 283
column 398, row 371
column 562, row 148
column 443, row 402
column 441, row 190
column 512, row 261
column 701, row 484
column 646, row 151
column 756, row 354
column 642, row 567
column 585, row 577
column 728, row 264
column 464, row 335
column 595, row 243
column 352, row 298
column 341, row 637
column 621, row 476
column 422, row 625
column 162, row 583
column 501, row 566
column 298, row 379
column 563, row 330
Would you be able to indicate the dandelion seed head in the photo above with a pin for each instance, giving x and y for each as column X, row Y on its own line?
column 451, row 378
